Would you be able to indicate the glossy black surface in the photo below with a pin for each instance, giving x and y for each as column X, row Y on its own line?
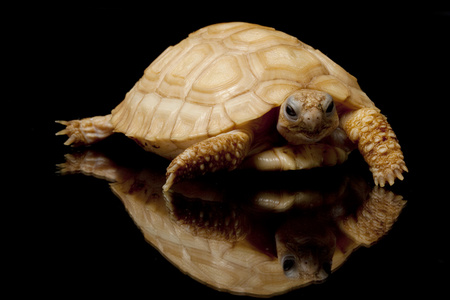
column 70, row 235
column 247, row 232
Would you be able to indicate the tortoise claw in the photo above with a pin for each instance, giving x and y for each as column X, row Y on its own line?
column 389, row 175
column 73, row 131
column 64, row 123
column 86, row 131
column 171, row 179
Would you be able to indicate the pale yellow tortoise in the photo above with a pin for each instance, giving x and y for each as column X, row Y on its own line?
column 239, row 94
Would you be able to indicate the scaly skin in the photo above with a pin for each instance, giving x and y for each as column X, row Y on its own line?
column 300, row 157
column 377, row 143
column 86, row 131
column 374, row 218
column 223, row 152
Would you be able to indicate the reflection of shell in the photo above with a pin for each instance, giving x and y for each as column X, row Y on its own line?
column 375, row 217
column 234, row 266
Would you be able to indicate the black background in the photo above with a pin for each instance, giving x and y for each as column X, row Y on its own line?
column 70, row 235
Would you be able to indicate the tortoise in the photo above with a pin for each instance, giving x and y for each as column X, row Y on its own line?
column 244, row 95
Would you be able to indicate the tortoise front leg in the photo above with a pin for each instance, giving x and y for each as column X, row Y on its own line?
column 223, row 152
column 298, row 157
column 377, row 143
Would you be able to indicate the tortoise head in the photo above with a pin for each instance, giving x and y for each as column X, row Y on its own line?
column 304, row 250
column 307, row 116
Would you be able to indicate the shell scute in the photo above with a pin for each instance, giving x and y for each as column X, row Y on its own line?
column 164, row 118
column 243, row 108
column 228, row 76
column 143, row 115
column 223, row 30
column 351, row 97
column 220, row 121
column 286, row 62
column 154, row 74
column 275, row 91
column 331, row 85
column 253, row 39
column 178, row 81
column 191, row 125
column 122, row 115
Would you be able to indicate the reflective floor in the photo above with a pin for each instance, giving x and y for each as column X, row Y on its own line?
column 249, row 232
column 302, row 233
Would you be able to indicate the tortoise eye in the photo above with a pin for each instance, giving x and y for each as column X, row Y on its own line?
column 288, row 264
column 330, row 108
column 290, row 111
column 290, row 267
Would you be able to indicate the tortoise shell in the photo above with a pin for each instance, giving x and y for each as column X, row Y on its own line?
column 220, row 78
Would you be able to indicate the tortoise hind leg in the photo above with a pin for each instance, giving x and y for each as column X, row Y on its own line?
column 86, row 131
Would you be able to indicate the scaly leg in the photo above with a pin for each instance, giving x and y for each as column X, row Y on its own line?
column 223, row 152
column 93, row 163
column 298, row 157
column 374, row 218
column 377, row 143
column 86, row 131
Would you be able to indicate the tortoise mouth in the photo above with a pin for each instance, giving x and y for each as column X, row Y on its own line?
column 307, row 137
column 312, row 137
column 295, row 136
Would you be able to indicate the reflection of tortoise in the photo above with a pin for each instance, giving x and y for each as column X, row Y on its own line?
column 236, row 90
column 263, row 240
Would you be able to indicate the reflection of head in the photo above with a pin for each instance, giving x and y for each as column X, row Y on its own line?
column 304, row 250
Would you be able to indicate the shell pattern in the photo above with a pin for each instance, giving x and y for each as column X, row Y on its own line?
column 219, row 78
